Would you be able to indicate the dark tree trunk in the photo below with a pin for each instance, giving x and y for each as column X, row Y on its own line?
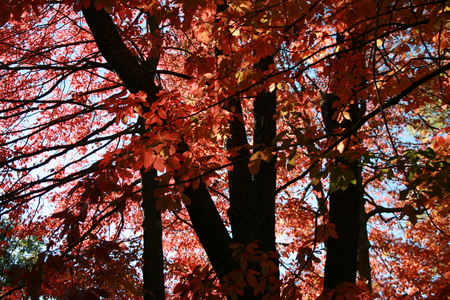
column 252, row 198
column 345, row 205
column 240, row 180
column 264, row 182
column 342, row 253
column 135, row 77
column 153, row 270
column 113, row 49
column 210, row 229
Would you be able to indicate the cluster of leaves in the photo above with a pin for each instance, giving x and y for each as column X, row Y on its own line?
column 17, row 254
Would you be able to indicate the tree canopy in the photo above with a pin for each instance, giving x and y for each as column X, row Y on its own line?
column 247, row 149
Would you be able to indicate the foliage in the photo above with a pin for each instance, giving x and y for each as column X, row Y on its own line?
column 202, row 149
column 16, row 253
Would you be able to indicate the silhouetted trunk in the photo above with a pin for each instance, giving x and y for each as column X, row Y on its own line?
column 252, row 198
column 153, row 269
column 210, row 229
column 264, row 182
column 342, row 253
column 135, row 77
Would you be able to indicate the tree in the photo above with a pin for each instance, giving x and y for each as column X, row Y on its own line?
column 16, row 253
column 165, row 149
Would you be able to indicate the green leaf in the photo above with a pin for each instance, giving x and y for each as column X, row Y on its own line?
column 336, row 175
column 428, row 153
column 350, row 177
column 390, row 174
column 333, row 187
column 291, row 164
column 344, row 185
column 279, row 137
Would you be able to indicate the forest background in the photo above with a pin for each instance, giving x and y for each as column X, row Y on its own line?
column 278, row 149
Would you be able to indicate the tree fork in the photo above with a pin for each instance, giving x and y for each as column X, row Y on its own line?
column 239, row 178
column 252, row 197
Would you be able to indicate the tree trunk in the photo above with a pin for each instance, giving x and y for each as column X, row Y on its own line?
column 210, row 229
column 153, row 270
column 136, row 78
column 264, row 182
column 252, row 198
column 342, row 253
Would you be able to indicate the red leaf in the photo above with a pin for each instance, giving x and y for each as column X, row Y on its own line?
column 159, row 164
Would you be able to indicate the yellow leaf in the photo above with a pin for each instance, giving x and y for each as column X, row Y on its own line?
column 346, row 115
column 272, row 86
